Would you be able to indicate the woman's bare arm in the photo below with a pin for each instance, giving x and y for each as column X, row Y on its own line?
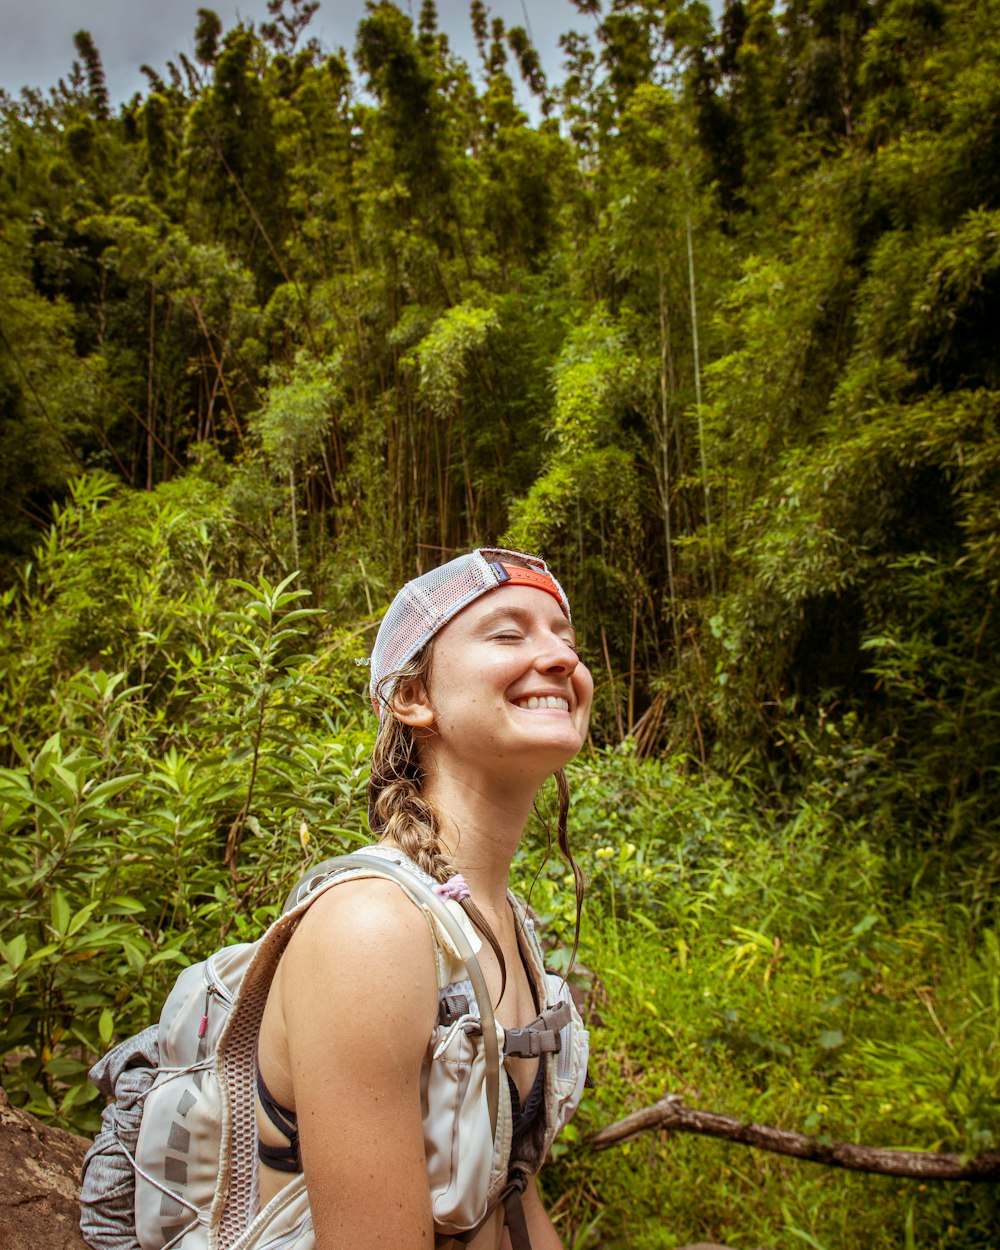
column 359, row 998
column 540, row 1228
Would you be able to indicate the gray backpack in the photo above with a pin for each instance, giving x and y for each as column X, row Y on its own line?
column 174, row 1165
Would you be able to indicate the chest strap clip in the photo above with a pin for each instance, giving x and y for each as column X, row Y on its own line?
column 541, row 1036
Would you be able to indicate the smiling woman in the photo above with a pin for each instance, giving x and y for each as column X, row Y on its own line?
column 481, row 696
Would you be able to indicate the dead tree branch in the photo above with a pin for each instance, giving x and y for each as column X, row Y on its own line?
column 670, row 1113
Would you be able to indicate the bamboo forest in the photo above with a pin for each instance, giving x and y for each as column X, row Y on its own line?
column 709, row 319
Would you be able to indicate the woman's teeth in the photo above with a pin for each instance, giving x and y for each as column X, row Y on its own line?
column 549, row 700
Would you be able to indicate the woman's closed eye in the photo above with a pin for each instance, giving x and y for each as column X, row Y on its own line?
column 514, row 636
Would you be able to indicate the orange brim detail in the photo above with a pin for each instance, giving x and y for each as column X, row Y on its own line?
column 518, row 576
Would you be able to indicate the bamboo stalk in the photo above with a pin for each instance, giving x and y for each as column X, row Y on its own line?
column 150, row 388
column 666, row 392
column 611, row 681
column 697, row 394
column 295, row 524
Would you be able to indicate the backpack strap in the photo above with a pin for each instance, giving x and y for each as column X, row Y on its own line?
column 420, row 886
column 513, row 1214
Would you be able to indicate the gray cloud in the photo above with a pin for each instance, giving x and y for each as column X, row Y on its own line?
column 37, row 47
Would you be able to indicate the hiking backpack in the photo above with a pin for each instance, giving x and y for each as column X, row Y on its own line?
column 174, row 1166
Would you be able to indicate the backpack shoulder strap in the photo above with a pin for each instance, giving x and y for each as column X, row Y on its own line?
column 233, row 1207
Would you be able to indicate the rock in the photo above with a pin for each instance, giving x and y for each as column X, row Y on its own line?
column 39, row 1182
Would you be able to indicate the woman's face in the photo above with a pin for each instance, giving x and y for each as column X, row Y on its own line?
column 506, row 686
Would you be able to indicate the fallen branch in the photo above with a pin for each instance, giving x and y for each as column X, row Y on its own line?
column 671, row 1113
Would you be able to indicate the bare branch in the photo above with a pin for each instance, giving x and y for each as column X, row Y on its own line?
column 670, row 1113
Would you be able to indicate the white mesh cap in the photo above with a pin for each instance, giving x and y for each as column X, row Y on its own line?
column 425, row 605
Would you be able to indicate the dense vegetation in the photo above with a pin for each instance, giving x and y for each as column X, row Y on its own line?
column 716, row 333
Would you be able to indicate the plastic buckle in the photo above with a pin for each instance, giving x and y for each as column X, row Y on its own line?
column 452, row 1007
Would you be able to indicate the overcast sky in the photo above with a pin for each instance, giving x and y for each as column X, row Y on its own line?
column 37, row 44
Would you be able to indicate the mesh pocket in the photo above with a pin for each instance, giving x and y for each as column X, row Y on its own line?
column 107, row 1191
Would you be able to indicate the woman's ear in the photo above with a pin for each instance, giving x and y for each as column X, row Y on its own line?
column 411, row 704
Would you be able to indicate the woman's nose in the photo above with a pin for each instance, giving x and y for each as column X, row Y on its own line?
column 558, row 656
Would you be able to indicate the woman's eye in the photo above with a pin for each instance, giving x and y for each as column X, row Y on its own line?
column 506, row 637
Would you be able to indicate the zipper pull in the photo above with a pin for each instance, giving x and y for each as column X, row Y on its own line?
column 203, row 1027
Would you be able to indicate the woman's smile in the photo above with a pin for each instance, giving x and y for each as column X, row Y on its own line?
column 545, row 703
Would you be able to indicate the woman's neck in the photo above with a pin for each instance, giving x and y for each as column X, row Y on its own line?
column 480, row 826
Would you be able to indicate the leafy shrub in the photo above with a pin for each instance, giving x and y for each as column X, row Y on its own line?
column 171, row 806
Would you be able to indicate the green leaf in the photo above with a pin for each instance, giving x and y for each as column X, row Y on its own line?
column 830, row 1039
column 81, row 918
column 50, row 753
column 107, row 789
column 60, row 912
column 14, row 951
column 171, row 956
column 106, row 1026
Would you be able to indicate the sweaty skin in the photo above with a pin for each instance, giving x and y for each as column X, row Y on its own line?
column 353, row 1003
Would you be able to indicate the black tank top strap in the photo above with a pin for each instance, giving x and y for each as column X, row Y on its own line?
column 524, row 1117
column 281, row 1158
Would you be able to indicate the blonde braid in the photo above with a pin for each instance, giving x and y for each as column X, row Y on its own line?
column 397, row 811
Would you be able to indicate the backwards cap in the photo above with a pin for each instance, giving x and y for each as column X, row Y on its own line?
column 424, row 606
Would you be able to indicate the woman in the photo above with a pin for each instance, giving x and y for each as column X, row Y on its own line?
column 481, row 696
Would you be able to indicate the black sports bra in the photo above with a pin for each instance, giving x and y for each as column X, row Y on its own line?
column 281, row 1158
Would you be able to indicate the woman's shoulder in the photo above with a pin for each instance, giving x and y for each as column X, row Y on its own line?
column 362, row 913
column 361, row 943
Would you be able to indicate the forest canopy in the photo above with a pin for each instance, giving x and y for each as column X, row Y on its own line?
column 710, row 323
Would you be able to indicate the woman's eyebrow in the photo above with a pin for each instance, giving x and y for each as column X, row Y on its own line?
column 521, row 616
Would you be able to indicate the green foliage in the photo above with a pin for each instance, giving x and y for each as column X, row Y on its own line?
column 586, row 509
column 193, row 766
column 717, row 335
column 444, row 354
column 769, row 966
